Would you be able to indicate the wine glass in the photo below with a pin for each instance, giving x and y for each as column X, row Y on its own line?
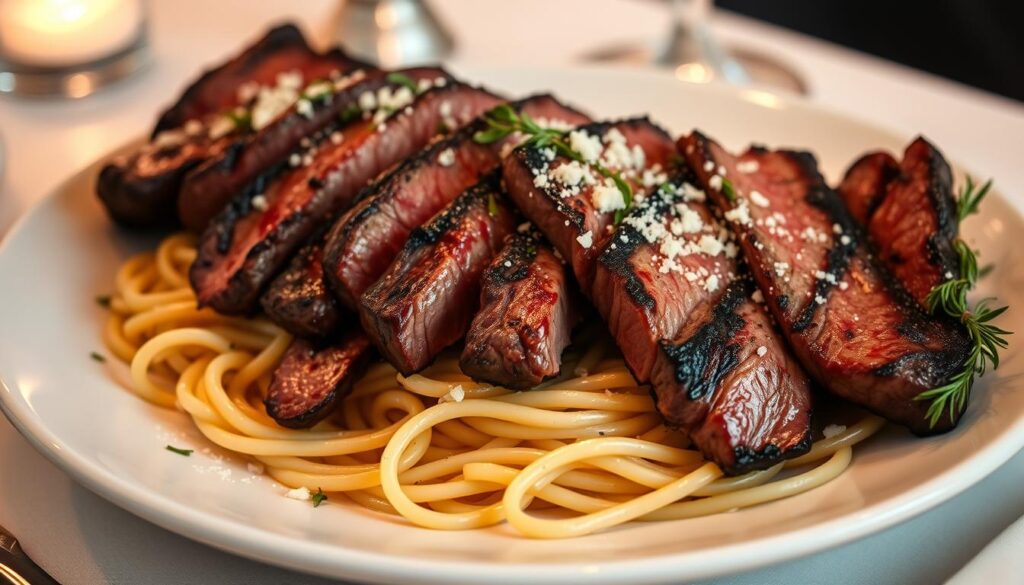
column 694, row 54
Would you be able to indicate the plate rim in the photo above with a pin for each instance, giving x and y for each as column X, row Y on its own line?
column 340, row 562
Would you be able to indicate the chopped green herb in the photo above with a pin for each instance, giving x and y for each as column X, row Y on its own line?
column 319, row 497
column 179, row 451
column 403, row 79
column 241, row 118
column 103, row 301
column 728, row 190
column 97, row 357
column 950, row 298
column 350, row 113
column 492, row 205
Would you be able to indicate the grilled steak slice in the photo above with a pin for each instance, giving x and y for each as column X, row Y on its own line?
column 210, row 186
column 526, row 316
column 282, row 49
column 915, row 225
column 668, row 258
column 251, row 239
column 140, row 188
column 855, row 335
column 426, row 299
column 727, row 380
column 863, row 185
column 363, row 243
column 570, row 201
column 310, row 380
column 669, row 286
column 298, row 299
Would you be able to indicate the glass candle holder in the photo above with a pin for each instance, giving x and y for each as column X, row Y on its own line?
column 69, row 48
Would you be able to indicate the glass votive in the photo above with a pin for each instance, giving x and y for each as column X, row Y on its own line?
column 69, row 48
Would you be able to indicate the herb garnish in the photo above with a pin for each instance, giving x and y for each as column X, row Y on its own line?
column 241, row 118
column 319, row 497
column 492, row 205
column 103, row 301
column 97, row 357
column 403, row 79
column 179, row 451
column 950, row 298
column 728, row 190
column 503, row 121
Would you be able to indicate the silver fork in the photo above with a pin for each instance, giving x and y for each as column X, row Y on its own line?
column 15, row 566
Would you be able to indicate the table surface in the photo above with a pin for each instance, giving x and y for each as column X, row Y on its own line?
column 81, row 538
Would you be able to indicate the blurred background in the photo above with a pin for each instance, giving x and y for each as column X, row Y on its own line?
column 979, row 43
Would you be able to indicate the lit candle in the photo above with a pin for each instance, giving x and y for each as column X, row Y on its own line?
column 58, row 33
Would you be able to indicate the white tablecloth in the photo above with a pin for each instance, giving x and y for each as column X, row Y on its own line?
column 80, row 538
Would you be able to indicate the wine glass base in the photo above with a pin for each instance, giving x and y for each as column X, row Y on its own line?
column 762, row 70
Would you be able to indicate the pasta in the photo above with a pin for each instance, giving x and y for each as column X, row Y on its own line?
column 578, row 454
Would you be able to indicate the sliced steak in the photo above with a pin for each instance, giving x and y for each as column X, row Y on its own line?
column 298, row 299
column 527, row 312
column 863, row 185
column 252, row 239
column 915, row 225
column 424, row 302
column 311, row 380
column 363, row 243
column 854, row 334
column 140, row 188
column 206, row 189
column 668, row 257
column 570, row 201
column 669, row 286
column 727, row 380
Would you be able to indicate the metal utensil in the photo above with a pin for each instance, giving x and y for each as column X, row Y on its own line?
column 15, row 566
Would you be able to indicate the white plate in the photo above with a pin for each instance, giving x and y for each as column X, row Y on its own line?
column 74, row 411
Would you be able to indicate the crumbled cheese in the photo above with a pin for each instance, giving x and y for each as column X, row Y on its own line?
column 169, row 139
column 761, row 351
column 587, row 146
column 711, row 283
column 833, row 430
column 845, row 240
column 247, row 91
column 843, row 285
column 949, row 275
column 837, row 229
column 367, row 101
column 540, row 181
column 259, row 203
column 748, row 166
column 295, row 159
column 710, row 245
column 758, row 199
column 300, row 493
column 781, row 268
column 220, row 127
column 337, row 137
column 819, row 299
column 690, row 222
column 709, row 166
column 272, row 101
column 691, row 193
column 607, row 197
column 193, row 127
column 446, row 158
column 586, row 240
column 715, row 182
column 508, row 264
column 524, row 227
column 305, row 108
column 721, row 170
column 572, row 173
column 739, row 214
column 456, row 394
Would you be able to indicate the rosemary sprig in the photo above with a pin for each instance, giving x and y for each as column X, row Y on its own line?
column 403, row 79
column 318, row 498
column 503, row 121
column 950, row 298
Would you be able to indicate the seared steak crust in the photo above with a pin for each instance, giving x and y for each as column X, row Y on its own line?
column 140, row 188
column 863, row 186
column 251, row 239
column 362, row 244
column 311, row 380
column 424, row 302
column 914, row 226
column 572, row 222
column 526, row 316
column 855, row 334
column 298, row 299
column 207, row 189
column 728, row 381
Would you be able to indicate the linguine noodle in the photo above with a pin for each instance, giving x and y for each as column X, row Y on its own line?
column 575, row 455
